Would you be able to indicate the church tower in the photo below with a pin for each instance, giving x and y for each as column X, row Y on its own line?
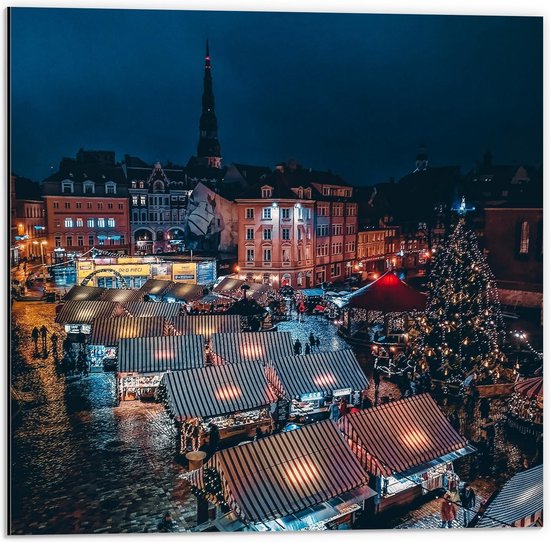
column 421, row 159
column 208, row 149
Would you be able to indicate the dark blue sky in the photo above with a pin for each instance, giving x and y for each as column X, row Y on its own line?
column 355, row 94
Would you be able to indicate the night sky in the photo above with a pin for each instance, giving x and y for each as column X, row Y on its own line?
column 356, row 94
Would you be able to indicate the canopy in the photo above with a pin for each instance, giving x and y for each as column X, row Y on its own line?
column 285, row 474
column 312, row 292
column 228, row 285
column 139, row 309
column 84, row 293
column 530, row 388
column 395, row 437
column 324, row 371
column 160, row 354
column 109, row 331
column 156, row 287
column 184, row 292
column 252, row 346
column 121, row 296
column 207, row 324
column 388, row 294
column 218, row 390
column 518, row 504
column 84, row 312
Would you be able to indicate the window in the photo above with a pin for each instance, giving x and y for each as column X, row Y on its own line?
column 69, row 240
column 134, row 200
column 350, row 229
column 249, row 254
column 524, row 239
column 322, row 230
column 267, row 191
column 79, row 223
column 286, row 254
column 308, row 252
column 299, row 253
column 141, row 184
column 90, row 240
column 111, row 222
column 337, row 229
column 68, row 222
column 322, row 250
column 67, row 205
column 100, row 205
column 56, row 205
column 78, row 205
column 133, row 184
column 57, row 241
column 89, row 187
column 326, row 191
column 267, row 234
column 110, row 188
column 142, row 200
column 109, row 205
column 350, row 247
column 285, row 213
column 286, row 234
column 267, row 254
column 122, row 239
column 323, row 210
column 89, row 205
column 100, row 222
column 90, row 223
column 336, row 269
column 120, row 206
column 338, row 210
column 80, row 241
column 266, row 213
column 336, row 248
column 351, row 209
column 249, row 234
column 67, row 187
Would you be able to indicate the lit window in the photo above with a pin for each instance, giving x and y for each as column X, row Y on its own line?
column 100, row 222
column 90, row 223
column 267, row 254
column 79, row 223
column 266, row 213
column 524, row 240
column 111, row 222
column 266, row 192
column 134, row 200
column 110, row 188
column 249, row 254
column 68, row 222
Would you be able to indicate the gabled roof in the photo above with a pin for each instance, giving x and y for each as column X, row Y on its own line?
column 84, row 312
column 252, row 346
column 109, row 331
column 84, row 293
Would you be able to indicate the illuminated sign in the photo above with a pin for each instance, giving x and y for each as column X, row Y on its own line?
column 317, row 396
column 339, row 393
column 184, row 272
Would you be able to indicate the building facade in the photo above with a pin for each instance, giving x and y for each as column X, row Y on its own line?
column 377, row 250
column 31, row 226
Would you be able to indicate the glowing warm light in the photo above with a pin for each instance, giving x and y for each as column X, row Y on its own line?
column 163, row 354
column 229, row 392
column 251, row 351
column 416, row 439
column 326, row 379
column 301, row 474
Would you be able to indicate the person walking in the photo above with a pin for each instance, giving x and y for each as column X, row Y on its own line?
column 376, row 379
column 53, row 338
column 343, row 408
column 297, row 347
column 311, row 340
column 468, row 501
column 35, row 334
column 308, row 349
column 44, row 334
column 447, row 511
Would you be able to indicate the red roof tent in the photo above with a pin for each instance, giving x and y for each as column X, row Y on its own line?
column 388, row 294
column 531, row 388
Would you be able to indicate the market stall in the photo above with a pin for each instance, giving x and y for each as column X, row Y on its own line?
column 518, row 504
column 77, row 316
column 300, row 480
column 229, row 286
column 525, row 407
column 107, row 332
column 144, row 309
column 206, row 324
column 311, row 382
column 208, row 304
column 121, row 296
column 183, row 292
column 143, row 361
column 408, row 446
column 156, row 288
column 250, row 346
column 235, row 398
column 84, row 293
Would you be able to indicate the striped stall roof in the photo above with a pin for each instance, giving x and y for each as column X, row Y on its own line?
column 160, row 354
column 84, row 312
column 140, row 309
column 121, row 296
column 252, row 346
column 84, row 293
column 228, row 285
column 184, row 292
column 155, row 287
column 531, row 388
column 109, row 331
column 323, row 371
column 287, row 473
column 207, row 324
column 518, row 504
column 258, row 290
column 218, row 390
column 394, row 437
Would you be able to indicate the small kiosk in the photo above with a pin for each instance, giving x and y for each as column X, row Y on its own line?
column 313, row 381
column 206, row 324
column 408, row 447
column 144, row 360
column 183, row 293
column 142, row 309
column 307, row 479
column 251, row 346
column 525, row 407
column 155, row 288
column 84, row 293
column 236, row 398
column 77, row 316
column 107, row 332
column 121, row 296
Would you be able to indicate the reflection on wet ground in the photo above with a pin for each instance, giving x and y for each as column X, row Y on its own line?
column 80, row 464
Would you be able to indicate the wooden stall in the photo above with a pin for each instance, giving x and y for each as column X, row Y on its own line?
column 251, row 346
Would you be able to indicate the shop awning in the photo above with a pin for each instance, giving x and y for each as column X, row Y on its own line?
column 184, row 292
column 109, row 331
column 160, row 354
column 84, row 293
column 252, row 346
column 228, row 286
column 388, row 294
column 256, row 290
column 401, row 435
column 140, row 309
column 155, row 287
column 84, row 312
column 121, row 296
column 323, row 371
column 218, row 390
column 530, row 388
column 518, row 504
column 286, row 474
column 206, row 324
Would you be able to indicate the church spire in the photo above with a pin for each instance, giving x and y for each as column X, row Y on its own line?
column 208, row 149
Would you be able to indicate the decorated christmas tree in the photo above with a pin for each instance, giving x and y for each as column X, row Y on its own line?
column 462, row 330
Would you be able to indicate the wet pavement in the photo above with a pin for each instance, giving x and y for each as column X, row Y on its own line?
column 81, row 464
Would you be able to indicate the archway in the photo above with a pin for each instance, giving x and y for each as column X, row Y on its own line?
column 89, row 277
